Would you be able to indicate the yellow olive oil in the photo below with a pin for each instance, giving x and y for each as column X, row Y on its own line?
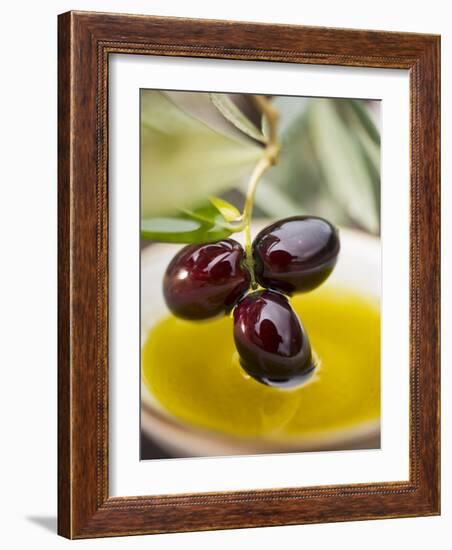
column 193, row 371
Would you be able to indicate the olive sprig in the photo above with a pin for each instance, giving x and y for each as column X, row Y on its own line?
column 292, row 255
column 269, row 158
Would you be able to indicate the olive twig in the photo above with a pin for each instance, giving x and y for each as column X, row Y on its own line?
column 268, row 159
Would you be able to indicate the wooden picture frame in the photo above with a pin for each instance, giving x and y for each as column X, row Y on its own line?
column 85, row 42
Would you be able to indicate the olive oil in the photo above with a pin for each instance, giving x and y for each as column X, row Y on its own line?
column 192, row 369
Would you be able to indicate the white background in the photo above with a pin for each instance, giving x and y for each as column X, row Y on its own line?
column 28, row 274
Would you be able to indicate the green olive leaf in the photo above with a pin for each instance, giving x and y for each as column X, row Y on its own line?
column 202, row 224
column 183, row 159
column 207, row 213
column 229, row 212
column 232, row 113
column 184, row 229
column 329, row 162
column 199, row 106
column 343, row 166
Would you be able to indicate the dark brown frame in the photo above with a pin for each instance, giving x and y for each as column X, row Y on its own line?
column 84, row 44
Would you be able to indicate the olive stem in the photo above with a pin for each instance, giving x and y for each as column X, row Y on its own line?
column 261, row 167
column 268, row 159
column 272, row 116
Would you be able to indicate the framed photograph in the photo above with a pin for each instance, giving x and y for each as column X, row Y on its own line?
column 248, row 275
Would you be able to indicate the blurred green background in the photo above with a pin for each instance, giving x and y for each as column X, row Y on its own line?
column 196, row 144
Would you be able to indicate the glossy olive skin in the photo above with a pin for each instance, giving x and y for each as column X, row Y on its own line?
column 271, row 341
column 205, row 280
column 296, row 254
